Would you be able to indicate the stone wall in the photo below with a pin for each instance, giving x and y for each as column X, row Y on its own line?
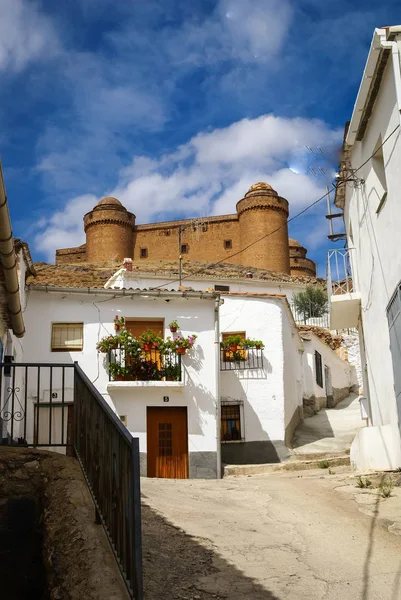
column 77, row 556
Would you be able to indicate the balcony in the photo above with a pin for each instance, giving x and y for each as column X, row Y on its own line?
column 241, row 359
column 150, row 368
column 344, row 302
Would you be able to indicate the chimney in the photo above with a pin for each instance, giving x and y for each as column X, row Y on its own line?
column 127, row 264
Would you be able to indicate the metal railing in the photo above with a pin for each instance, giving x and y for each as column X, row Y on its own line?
column 56, row 406
column 150, row 365
column 251, row 358
column 109, row 457
column 310, row 315
column 339, row 273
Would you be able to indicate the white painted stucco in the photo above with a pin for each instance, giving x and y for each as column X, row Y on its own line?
column 373, row 237
column 342, row 374
column 97, row 312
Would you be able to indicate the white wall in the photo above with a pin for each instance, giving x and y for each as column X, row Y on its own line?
column 293, row 367
column 376, row 258
column 343, row 374
column 261, row 390
column 97, row 313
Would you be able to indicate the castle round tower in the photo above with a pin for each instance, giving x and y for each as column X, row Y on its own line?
column 109, row 232
column 299, row 264
column 260, row 212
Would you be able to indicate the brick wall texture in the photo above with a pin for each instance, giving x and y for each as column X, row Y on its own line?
column 112, row 235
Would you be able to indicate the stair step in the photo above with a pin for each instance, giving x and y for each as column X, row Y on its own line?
column 289, row 465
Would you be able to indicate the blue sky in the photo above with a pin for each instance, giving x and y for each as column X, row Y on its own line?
column 175, row 107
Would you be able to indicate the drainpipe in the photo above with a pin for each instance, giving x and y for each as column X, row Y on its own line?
column 393, row 46
column 9, row 264
column 217, row 303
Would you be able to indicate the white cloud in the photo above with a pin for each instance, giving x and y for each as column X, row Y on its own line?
column 26, row 34
column 208, row 175
column 240, row 30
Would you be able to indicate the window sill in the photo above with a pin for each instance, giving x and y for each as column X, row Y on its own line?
column 233, row 441
column 120, row 385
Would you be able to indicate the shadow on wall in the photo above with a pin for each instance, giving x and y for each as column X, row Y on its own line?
column 188, row 569
column 258, row 447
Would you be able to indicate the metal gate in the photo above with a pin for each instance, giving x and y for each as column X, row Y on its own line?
column 394, row 323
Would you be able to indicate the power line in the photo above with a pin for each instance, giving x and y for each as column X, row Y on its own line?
column 219, row 262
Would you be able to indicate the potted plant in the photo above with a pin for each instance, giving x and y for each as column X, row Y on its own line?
column 107, row 343
column 172, row 371
column 149, row 339
column 173, row 326
column 233, row 341
column 118, row 322
column 259, row 345
column 183, row 344
column 118, row 372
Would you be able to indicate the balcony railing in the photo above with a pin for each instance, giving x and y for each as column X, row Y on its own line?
column 144, row 365
column 344, row 301
column 251, row 358
column 339, row 274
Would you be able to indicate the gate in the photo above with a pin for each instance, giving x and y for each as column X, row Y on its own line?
column 56, row 406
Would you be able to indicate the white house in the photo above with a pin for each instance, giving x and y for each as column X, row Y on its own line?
column 366, row 290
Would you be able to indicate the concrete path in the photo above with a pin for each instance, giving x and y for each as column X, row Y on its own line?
column 329, row 432
column 286, row 536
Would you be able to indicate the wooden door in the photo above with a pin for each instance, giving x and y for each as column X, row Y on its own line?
column 167, row 442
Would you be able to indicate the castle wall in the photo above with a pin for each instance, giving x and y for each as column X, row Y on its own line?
column 161, row 241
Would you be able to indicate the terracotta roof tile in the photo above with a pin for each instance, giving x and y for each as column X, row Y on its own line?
column 96, row 275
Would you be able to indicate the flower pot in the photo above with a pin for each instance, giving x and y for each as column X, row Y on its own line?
column 181, row 351
column 119, row 378
column 147, row 346
column 233, row 347
column 116, row 327
column 258, row 346
column 173, row 329
column 114, row 346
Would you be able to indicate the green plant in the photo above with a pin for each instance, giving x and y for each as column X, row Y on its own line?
column 324, row 464
column 119, row 320
column 312, row 302
column 150, row 337
column 186, row 343
column 117, row 370
column 331, row 472
column 363, row 483
column 386, row 487
column 233, row 340
column 174, row 326
column 249, row 343
column 172, row 371
column 107, row 343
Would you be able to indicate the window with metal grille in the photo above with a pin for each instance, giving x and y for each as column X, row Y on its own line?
column 184, row 248
column 67, row 337
column 231, row 422
column 228, row 244
column 144, row 253
column 318, row 369
column 222, row 288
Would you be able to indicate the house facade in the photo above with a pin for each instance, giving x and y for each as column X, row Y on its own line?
column 366, row 289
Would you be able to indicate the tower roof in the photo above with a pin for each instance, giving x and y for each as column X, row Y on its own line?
column 262, row 188
column 292, row 242
column 109, row 200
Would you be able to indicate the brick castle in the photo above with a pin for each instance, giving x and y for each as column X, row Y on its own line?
column 112, row 235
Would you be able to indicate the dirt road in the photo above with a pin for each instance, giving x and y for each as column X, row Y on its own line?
column 286, row 536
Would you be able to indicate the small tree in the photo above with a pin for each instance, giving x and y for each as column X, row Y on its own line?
column 312, row 302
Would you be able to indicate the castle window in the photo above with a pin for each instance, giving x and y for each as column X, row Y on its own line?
column 184, row 248
column 167, row 232
column 228, row 244
column 144, row 253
